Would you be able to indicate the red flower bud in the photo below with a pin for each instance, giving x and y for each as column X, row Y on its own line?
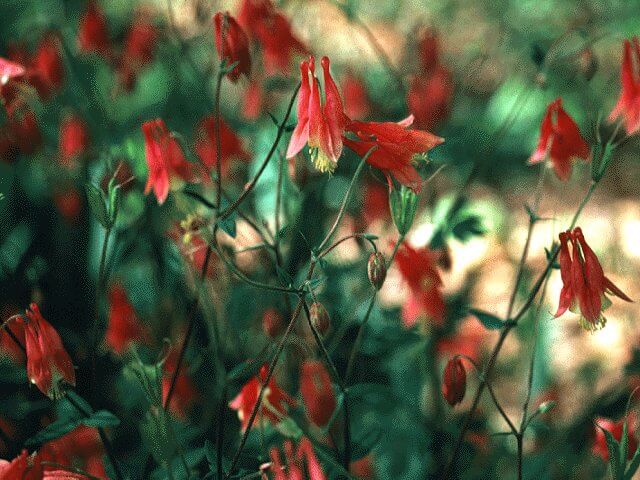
column 319, row 317
column 317, row 392
column 48, row 363
column 232, row 45
column 454, row 381
column 377, row 269
column 93, row 35
column 69, row 204
column 47, row 68
column 272, row 322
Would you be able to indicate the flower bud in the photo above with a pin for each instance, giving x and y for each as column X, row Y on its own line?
column 454, row 381
column 320, row 318
column 317, row 392
column 403, row 203
column 272, row 322
column 377, row 270
column 587, row 64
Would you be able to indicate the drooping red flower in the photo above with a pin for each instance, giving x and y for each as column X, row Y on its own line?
column 46, row 71
column 363, row 468
column 272, row 30
column 185, row 392
column 428, row 49
column 274, row 404
column 396, row 147
column 466, row 340
column 376, row 203
column 232, row 45
column 560, row 141
column 74, row 139
column 418, row 268
column 454, row 381
column 253, row 100
column 303, row 459
column 165, row 158
column 356, row 99
column 317, row 392
column 23, row 467
column 9, row 70
column 230, row 143
column 429, row 97
column 321, row 126
column 49, row 366
column 583, row 282
column 93, row 35
column 615, row 428
column 628, row 104
column 124, row 326
column 272, row 322
column 80, row 448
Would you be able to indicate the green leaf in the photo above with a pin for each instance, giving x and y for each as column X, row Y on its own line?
column 284, row 277
column 97, row 203
column 490, row 322
column 289, row 428
column 53, row 431
column 633, row 465
column 467, row 228
column 101, row 419
column 156, row 434
column 614, row 454
column 229, row 226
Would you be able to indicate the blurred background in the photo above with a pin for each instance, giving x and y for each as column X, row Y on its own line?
column 478, row 73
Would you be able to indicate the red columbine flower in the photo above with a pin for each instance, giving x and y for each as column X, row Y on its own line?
column 454, row 381
column 272, row 30
column 628, row 105
column 317, row 392
column 321, row 126
column 74, row 139
column 184, row 393
column 418, row 268
column 164, row 158
column 138, row 51
column 583, row 282
column 272, row 323
column 93, row 36
column 253, row 100
column 23, row 467
column 615, row 428
column 560, row 141
column 69, row 204
column 124, row 327
column 9, row 70
column 232, row 45
column 48, row 363
column 396, row 147
column 274, row 401
column 230, row 144
column 299, row 461
column 80, row 448
column 356, row 99
column 47, row 68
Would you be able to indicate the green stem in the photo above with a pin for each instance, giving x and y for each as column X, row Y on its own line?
column 359, row 337
column 101, row 284
column 218, row 159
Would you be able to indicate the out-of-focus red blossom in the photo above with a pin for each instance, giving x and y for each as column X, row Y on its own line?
column 49, row 366
column 69, row 204
column 429, row 97
column 431, row 89
column 454, row 381
column 138, row 50
column 252, row 101
column 396, row 146
column 274, row 404
column 321, row 126
column 317, row 392
column 23, row 467
column 467, row 340
column 272, row 322
column 185, row 392
column 232, row 45
column 615, row 428
column 356, row 99
column 297, row 462
column 583, row 282
column 124, row 327
column 24, row 131
column 195, row 249
column 93, row 36
column 74, row 139
column 47, row 68
column 376, row 202
column 165, row 159
column 363, row 468
column 272, row 30
column 560, row 141
column 418, row 268
column 628, row 104
column 230, row 144
column 79, row 448
column 9, row 70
